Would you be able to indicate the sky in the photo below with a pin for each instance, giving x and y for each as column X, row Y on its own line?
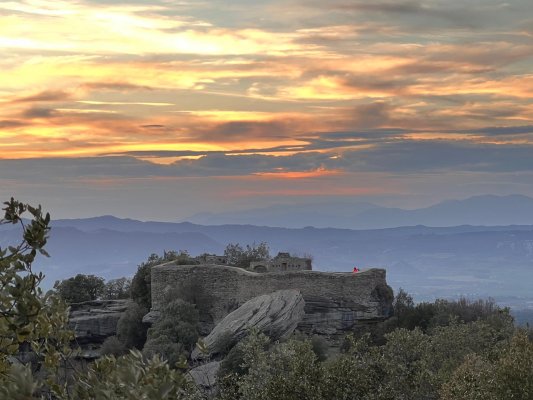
column 162, row 109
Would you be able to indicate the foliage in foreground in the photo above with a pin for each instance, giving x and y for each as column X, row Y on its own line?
column 36, row 359
column 134, row 378
column 458, row 362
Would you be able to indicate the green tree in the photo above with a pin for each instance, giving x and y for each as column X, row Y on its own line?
column 175, row 334
column 80, row 288
column 355, row 374
column 509, row 375
column 403, row 304
column 117, row 289
column 242, row 257
column 131, row 331
column 141, row 285
column 286, row 371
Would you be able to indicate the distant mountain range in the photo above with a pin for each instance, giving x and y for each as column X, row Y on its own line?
column 485, row 210
column 478, row 261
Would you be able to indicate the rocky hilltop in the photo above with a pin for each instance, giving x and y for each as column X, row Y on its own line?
column 94, row 321
column 335, row 303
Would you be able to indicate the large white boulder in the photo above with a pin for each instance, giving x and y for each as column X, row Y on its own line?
column 275, row 314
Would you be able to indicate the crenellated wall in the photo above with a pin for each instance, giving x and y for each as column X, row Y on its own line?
column 334, row 302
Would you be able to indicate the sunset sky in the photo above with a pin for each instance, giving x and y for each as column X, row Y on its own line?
column 161, row 109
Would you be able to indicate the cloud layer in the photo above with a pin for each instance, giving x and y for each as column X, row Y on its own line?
column 325, row 92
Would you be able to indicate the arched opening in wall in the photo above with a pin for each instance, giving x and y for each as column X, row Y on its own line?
column 260, row 268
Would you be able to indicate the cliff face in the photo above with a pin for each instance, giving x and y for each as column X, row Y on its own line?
column 94, row 321
column 335, row 303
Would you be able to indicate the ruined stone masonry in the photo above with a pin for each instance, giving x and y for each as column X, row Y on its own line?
column 283, row 262
column 335, row 303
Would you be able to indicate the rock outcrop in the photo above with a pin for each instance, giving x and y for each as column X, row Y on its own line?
column 205, row 375
column 335, row 303
column 276, row 314
column 94, row 321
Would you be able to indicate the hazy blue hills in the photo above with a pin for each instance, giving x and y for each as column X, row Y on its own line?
column 480, row 210
column 428, row 261
column 446, row 261
column 106, row 252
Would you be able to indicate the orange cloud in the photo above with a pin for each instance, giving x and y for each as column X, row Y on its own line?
column 80, row 78
column 299, row 174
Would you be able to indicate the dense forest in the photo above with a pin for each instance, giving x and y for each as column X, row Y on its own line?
column 439, row 350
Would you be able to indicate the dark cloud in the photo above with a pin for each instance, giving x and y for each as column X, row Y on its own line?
column 372, row 133
column 372, row 115
column 242, row 130
column 396, row 84
column 418, row 12
column 388, row 152
column 439, row 67
column 153, row 126
column 51, row 169
column 382, row 139
column 39, row 112
column 7, row 123
column 417, row 16
column 501, row 130
column 409, row 7
column 45, row 96
column 409, row 156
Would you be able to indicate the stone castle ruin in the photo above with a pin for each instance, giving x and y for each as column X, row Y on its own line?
column 232, row 300
column 335, row 303
column 283, row 262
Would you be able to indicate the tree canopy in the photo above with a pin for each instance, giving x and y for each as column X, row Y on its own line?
column 239, row 256
column 80, row 288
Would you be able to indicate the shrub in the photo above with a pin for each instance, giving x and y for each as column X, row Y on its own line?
column 133, row 377
column 319, row 347
column 191, row 291
column 233, row 363
column 28, row 318
column 130, row 329
column 141, row 284
column 508, row 376
column 288, row 371
column 113, row 346
column 355, row 374
column 178, row 326
column 165, row 348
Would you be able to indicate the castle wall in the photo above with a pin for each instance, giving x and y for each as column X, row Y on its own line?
column 281, row 265
column 335, row 302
